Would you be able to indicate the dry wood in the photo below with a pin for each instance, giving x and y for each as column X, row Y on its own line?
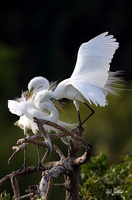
column 67, row 166
column 74, row 133
column 15, row 186
column 17, row 150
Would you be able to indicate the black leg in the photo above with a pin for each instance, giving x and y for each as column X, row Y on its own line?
column 79, row 117
column 39, row 163
column 24, row 164
column 92, row 112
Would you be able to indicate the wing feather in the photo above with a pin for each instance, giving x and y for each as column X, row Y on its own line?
column 91, row 92
column 14, row 108
column 94, row 58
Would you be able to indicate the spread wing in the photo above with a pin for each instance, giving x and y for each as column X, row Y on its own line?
column 94, row 58
column 14, row 108
column 91, row 92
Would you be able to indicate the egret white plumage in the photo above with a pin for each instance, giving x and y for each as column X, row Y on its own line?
column 37, row 84
column 91, row 79
column 28, row 109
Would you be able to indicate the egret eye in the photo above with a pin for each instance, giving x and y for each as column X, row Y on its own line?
column 30, row 93
column 32, row 88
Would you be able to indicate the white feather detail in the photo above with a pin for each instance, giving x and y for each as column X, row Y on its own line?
column 14, row 108
column 94, row 58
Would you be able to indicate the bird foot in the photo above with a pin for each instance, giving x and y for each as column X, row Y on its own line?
column 39, row 166
column 79, row 130
column 23, row 168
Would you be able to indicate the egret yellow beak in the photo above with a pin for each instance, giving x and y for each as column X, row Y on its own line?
column 54, row 102
column 30, row 94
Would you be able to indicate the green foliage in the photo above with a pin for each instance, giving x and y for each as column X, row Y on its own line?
column 101, row 181
column 5, row 196
column 106, row 182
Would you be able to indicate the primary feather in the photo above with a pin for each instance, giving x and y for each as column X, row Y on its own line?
column 91, row 79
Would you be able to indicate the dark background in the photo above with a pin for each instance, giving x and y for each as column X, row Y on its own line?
column 42, row 38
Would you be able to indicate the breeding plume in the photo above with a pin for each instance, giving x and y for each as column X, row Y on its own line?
column 91, row 79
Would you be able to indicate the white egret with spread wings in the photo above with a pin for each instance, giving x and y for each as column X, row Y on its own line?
column 91, row 79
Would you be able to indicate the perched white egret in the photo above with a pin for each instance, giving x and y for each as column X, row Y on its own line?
column 28, row 109
column 91, row 79
column 38, row 87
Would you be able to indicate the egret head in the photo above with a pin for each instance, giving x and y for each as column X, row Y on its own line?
column 36, row 84
column 43, row 96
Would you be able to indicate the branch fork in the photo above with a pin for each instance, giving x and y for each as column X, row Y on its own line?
column 67, row 166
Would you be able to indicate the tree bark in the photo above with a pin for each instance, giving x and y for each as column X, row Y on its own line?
column 72, row 182
column 68, row 166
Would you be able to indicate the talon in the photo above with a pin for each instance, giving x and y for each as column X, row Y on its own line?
column 39, row 166
column 79, row 130
column 23, row 168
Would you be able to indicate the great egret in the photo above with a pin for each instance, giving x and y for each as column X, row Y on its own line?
column 27, row 110
column 91, row 79
column 38, row 87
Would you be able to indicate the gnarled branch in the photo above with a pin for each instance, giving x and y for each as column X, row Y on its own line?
column 67, row 166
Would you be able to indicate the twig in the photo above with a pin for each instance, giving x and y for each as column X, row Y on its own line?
column 84, row 158
column 74, row 133
column 33, row 192
column 57, row 135
column 33, row 141
column 24, row 196
column 52, row 136
column 18, row 149
column 61, row 185
column 48, row 191
column 15, row 186
column 61, row 155
column 29, row 170
column 67, row 166
column 47, row 140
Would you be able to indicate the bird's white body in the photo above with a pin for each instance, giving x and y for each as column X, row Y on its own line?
column 35, row 107
column 26, row 110
column 91, row 78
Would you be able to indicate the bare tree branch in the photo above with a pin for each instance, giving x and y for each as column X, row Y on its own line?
column 15, row 186
column 67, row 166
column 18, row 149
column 74, row 133
column 61, row 185
column 61, row 155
